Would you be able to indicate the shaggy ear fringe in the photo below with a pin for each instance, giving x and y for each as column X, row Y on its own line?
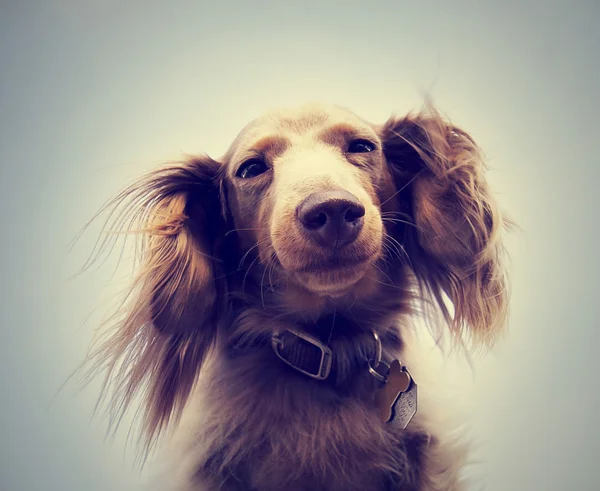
column 457, row 242
column 161, row 333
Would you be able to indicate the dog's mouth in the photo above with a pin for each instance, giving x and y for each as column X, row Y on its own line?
column 334, row 263
column 332, row 275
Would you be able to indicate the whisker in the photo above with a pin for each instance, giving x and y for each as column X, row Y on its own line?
column 257, row 244
column 246, row 275
column 392, row 248
column 397, row 220
column 395, row 241
column 402, row 188
column 271, row 268
column 244, row 229
column 389, row 250
column 262, row 281
column 387, row 276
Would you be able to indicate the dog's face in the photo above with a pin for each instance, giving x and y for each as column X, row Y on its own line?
column 321, row 207
column 305, row 188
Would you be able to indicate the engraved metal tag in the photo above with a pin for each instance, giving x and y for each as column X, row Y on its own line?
column 404, row 407
column 397, row 381
column 397, row 399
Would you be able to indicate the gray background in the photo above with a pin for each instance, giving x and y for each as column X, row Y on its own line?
column 93, row 93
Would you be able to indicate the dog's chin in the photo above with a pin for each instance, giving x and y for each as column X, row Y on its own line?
column 329, row 284
column 332, row 280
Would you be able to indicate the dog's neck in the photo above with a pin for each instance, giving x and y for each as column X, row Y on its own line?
column 351, row 342
column 262, row 304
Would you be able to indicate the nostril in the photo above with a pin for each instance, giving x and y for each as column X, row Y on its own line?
column 353, row 213
column 316, row 220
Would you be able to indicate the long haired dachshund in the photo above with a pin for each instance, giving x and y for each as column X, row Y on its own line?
column 271, row 325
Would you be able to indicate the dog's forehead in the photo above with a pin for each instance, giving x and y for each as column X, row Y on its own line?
column 307, row 117
column 294, row 122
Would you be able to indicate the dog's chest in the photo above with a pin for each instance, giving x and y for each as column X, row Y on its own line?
column 299, row 437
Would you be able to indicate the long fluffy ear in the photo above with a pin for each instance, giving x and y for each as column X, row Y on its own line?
column 162, row 334
column 455, row 244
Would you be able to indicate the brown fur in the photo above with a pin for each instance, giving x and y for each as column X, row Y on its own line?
column 224, row 263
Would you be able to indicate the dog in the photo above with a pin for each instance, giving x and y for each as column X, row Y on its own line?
column 270, row 329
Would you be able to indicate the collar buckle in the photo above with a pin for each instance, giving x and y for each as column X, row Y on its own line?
column 307, row 342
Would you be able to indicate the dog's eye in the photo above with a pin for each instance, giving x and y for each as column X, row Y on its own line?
column 251, row 168
column 361, row 146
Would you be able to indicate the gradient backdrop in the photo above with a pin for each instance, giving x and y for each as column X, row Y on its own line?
column 92, row 93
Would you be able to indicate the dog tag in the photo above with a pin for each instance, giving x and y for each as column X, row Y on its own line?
column 397, row 399
column 404, row 407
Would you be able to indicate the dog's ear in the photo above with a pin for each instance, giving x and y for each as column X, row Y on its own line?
column 454, row 244
column 157, row 346
column 184, row 227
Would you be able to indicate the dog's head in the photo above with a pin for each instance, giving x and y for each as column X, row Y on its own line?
column 308, row 206
column 306, row 187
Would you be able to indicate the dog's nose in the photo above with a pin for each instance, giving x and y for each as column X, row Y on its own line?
column 332, row 218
